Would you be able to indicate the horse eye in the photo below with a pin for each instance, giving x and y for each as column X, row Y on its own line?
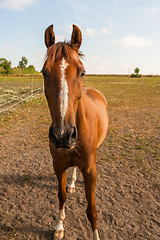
column 83, row 73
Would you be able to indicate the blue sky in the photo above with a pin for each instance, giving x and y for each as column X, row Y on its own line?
column 118, row 35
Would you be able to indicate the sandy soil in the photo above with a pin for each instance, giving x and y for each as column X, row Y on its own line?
column 128, row 183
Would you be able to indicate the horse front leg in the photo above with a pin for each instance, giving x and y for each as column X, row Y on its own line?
column 62, row 195
column 71, row 186
column 90, row 177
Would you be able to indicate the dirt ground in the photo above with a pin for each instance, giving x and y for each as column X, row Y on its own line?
column 128, row 183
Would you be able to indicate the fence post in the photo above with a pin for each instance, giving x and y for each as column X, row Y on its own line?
column 31, row 83
column 43, row 86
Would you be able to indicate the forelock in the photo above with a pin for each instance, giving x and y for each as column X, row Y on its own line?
column 62, row 49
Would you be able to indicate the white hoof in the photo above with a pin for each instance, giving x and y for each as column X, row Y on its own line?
column 95, row 235
column 58, row 234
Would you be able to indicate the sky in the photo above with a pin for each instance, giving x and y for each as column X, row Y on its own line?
column 118, row 35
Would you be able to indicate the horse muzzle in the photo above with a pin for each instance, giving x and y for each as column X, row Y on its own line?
column 63, row 139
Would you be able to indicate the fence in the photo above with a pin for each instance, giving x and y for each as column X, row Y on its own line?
column 19, row 99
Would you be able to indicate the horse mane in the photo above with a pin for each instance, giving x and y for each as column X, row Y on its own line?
column 62, row 49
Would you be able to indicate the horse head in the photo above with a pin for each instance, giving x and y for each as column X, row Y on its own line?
column 63, row 72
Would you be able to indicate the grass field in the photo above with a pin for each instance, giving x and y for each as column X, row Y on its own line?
column 13, row 87
column 124, row 95
column 117, row 90
column 128, row 165
column 126, row 91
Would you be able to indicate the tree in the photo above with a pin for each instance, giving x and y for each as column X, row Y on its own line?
column 6, row 65
column 2, row 70
column 136, row 71
column 23, row 62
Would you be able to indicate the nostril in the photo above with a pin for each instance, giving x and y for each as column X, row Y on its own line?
column 52, row 136
column 74, row 134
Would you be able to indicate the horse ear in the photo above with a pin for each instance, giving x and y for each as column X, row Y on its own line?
column 76, row 38
column 49, row 36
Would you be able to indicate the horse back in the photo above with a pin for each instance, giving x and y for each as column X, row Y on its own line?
column 95, row 95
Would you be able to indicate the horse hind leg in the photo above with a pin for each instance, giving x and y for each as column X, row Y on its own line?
column 71, row 186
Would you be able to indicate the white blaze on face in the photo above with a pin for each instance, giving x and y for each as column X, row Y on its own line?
column 64, row 90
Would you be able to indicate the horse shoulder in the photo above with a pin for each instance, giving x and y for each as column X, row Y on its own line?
column 95, row 95
column 96, row 112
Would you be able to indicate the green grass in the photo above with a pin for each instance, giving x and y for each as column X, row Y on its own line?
column 118, row 90
column 12, row 87
column 126, row 91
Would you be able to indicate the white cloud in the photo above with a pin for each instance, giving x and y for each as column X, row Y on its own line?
column 60, row 38
column 151, row 10
column 93, row 58
column 69, row 28
column 89, row 32
column 133, row 41
column 16, row 4
column 94, row 64
column 106, row 62
column 105, row 31
column 155, row 9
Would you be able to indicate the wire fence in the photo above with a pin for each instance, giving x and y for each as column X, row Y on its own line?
column 11, row 104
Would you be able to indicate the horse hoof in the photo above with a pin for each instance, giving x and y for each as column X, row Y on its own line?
column 71, row 189
column 58, row 235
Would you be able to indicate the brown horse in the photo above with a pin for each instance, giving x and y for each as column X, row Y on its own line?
column 79, row 121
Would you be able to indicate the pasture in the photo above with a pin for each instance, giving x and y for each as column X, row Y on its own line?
column 18, row 89
column 128, row 166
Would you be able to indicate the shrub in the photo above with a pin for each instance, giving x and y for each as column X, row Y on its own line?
column 6, row 66
column 133, row 75
column 31, row 69
column 27, row 70
column 136, row 73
